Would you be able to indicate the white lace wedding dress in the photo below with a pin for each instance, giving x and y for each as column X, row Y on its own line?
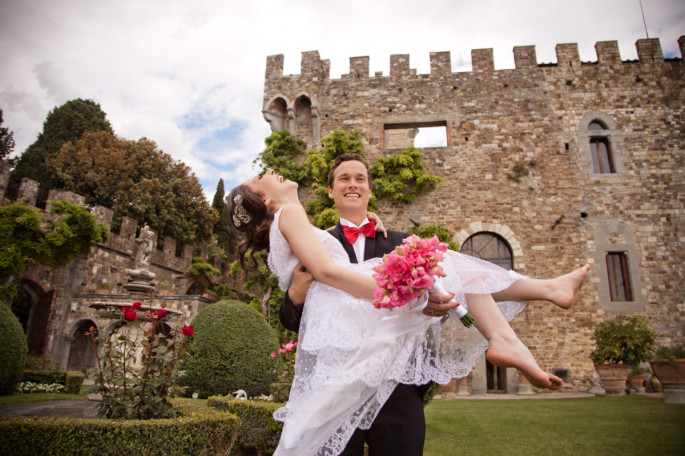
column 350, row 355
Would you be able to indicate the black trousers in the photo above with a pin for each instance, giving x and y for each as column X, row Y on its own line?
column 399, row 428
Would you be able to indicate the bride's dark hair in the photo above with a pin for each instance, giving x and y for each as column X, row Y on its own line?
column 249, row 214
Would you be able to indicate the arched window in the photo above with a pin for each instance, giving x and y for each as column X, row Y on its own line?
column 600, row 148
column 599, row 140
column 489, row 247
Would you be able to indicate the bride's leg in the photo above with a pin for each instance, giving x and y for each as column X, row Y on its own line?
column 506, row 349
column 559, row 291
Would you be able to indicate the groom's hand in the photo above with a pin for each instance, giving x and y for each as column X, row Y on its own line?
column 438, row 305
column 302, row 280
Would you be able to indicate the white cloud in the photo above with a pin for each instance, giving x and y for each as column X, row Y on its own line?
column 190, row 75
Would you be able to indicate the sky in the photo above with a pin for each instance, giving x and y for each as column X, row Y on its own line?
column 190, row 74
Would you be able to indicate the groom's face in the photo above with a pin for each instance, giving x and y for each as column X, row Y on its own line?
column 351, row 191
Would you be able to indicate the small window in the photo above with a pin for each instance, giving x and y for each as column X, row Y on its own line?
column 602, row 160
column 619, row 280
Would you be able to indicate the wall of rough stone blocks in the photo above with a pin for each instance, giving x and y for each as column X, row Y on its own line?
column 561, row 214
column 63, row 296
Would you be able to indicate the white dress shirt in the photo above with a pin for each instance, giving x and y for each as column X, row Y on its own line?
column 359, row 245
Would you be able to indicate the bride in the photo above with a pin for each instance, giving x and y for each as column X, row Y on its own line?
column 351, row 355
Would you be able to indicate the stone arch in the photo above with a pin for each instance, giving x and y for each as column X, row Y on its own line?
column 81, row 348
column 110, row 328
column 276, row 113
column 488, row 378
column 36, row 314
column 503, row 231
column 610, row 134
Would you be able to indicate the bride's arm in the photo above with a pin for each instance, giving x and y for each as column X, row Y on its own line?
column 311, row 252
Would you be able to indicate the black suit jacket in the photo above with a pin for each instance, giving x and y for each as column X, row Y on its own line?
column 375, row 247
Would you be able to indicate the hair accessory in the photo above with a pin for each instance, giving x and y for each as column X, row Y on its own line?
column 240, row 215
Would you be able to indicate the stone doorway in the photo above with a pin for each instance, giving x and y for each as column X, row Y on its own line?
column 496, row 378
column 81, row 350
column 32, row 307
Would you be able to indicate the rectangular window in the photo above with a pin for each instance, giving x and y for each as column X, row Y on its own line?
column 602, row 160
column 619, row 280
column 416, row 134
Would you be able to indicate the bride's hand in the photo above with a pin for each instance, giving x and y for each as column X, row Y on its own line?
column 378, row 222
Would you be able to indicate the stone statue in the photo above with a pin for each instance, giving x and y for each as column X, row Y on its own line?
column 145, row 245
column 140, row 277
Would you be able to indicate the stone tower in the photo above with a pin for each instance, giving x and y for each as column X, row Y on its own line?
column 546, row 167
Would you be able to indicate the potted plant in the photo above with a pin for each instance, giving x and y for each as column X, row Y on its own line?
column 668, row 365
column 620, row 343
column 165, row 289
column 636, row 377
column 102, row 288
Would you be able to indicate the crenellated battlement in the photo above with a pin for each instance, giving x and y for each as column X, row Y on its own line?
column 482, row 60
column 122, row 243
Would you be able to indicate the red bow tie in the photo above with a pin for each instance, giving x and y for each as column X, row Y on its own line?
column 352, row 233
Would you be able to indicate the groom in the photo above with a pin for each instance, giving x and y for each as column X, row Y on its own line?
column 399, row 428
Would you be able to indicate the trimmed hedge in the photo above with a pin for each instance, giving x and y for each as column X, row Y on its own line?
column 73, row 382
column 201, row 430
column 46, row 377
column 13, row 349
column 280, row 391
column 259, row 432
column 230, row 351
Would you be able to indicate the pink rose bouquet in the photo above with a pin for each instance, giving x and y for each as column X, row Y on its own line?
column 410, row 270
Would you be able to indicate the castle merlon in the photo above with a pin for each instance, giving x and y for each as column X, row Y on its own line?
column 482, row 60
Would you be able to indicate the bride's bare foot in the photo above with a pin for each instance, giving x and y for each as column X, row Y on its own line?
column 512, row 353
column 564, row 287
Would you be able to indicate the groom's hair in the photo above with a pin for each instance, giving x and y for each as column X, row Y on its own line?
column 344, row 158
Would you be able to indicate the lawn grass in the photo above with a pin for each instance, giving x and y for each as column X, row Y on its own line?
column 628, row 425
column 37, row 397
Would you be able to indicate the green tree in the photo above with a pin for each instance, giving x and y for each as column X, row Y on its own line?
column 283, row 154
column 227, row 238
column 401, row 176
column 55, row 240
column 319, row 163
column 428, row 231
column 63, row 124
column 137, row 180
column 6, row 143
column 266, row 283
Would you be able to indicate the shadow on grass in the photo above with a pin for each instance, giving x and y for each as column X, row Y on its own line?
column 628, row 425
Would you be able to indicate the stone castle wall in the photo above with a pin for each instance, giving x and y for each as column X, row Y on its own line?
column 559, row 215
column 67, row 300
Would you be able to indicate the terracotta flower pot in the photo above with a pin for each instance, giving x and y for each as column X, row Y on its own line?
column 669, row 375
column 613, row 378
column 672, row 379
column 636, row 381
column 450, row 387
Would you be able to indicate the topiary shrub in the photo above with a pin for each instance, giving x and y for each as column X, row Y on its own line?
column 13, row 349
column 73, row 382
column 230, row 350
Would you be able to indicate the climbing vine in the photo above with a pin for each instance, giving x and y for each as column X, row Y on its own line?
column 27, row 235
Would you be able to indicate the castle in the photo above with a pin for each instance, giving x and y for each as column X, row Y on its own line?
column 62, row 303
column 545, row 166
